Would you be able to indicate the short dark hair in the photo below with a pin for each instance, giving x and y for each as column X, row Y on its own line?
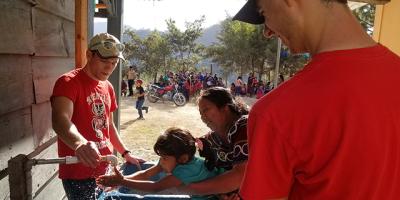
column 175, row 142
column 221, row 96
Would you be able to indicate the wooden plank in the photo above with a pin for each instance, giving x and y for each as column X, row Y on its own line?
column 4, row 189
column 45, row 177
column 81, row 29
column 69, row 31
column 15, row 23
column 16, row 135
column 52, row 34
column 62, row 8
column 46, row 70
column 41, row 120
column 19, row 178
column 16, row 86
column 54, row 190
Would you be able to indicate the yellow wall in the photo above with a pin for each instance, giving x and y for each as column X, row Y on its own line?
column 387, row 25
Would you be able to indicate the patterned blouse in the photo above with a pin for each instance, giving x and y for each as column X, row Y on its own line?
column 225, row 155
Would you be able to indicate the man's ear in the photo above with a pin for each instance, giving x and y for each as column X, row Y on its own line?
column 89, row 54
column 183, row 159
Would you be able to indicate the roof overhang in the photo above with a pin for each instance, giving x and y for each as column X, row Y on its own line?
column 376, row 2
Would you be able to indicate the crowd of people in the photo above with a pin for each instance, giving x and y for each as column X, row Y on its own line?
column 190, row 83
column 320, row 135
column 251, row 88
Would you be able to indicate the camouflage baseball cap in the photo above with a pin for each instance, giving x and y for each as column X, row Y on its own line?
column 107, row 46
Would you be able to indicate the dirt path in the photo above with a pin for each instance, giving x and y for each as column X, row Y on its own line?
column 140, row 135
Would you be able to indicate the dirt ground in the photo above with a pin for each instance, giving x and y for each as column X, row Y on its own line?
column 140, row 135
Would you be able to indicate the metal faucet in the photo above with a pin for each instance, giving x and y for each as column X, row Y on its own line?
column 113, row 160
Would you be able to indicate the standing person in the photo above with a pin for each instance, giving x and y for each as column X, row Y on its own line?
column 238, row 86
column 140, row 99
column 323, row 134
column 83, row 102
column 131, row 79
column 176, row 148
column 225, row 147
column 250, row 84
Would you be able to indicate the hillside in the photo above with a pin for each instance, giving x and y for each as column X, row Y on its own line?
column 209, row 34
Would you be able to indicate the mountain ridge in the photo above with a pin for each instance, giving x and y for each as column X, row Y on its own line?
column 208, row 37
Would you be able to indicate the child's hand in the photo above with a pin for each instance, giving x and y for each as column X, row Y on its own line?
column 109, row 189
column 111, row 180
column 199, row 144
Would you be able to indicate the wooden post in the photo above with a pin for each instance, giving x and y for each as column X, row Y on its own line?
column 20, row 178
column 81, row 32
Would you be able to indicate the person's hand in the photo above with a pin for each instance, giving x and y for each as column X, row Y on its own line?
column 88, row 154
column 199, row 144
column 109, row 189
column 113, row 180
column 134, row 160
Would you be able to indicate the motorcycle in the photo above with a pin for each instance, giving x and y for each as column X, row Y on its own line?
column 169, row 92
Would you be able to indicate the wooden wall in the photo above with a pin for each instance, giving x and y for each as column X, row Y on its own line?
column 36, row 46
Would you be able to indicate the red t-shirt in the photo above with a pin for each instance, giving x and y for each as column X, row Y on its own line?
column 331, row 132
column 93, row 102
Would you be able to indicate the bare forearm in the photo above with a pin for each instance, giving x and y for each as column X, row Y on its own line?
column 67, row 131
column 166, row 182
column 142, row 185
column 224, row 183
column 145, row 174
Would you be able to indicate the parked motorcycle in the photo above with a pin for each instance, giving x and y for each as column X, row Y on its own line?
column 170, row 93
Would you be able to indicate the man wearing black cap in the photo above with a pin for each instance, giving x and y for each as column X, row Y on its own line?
column 83, row 102
column 324, row 134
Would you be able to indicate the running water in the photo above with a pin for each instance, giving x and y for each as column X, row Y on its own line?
column 105, row 193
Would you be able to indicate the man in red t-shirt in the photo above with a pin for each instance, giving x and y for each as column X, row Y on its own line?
column 333, row 130
column 83, row 102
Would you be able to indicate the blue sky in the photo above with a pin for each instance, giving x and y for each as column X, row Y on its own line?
column 149, row 14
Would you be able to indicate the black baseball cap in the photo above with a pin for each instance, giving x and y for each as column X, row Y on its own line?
column 249, row 13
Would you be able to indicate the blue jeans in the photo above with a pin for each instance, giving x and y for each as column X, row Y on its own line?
column 139, row 105
column 85, row 189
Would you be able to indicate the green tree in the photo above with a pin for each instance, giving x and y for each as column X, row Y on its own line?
column 186, row 51
column 366, row 15
column 153, row 52
column 241, row 48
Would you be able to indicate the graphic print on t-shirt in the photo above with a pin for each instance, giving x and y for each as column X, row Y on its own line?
column 98, row 102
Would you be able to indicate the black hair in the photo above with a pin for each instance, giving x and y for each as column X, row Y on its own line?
column 175, row 142
column 221, row 97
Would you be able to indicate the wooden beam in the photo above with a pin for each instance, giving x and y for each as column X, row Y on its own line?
column 20, row 178
column 386, row 28
column 101, row 6
column 81, row 28
column 376, row 2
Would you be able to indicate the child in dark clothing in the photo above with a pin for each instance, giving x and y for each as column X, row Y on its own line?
column 124, row 88
column 140, row 99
